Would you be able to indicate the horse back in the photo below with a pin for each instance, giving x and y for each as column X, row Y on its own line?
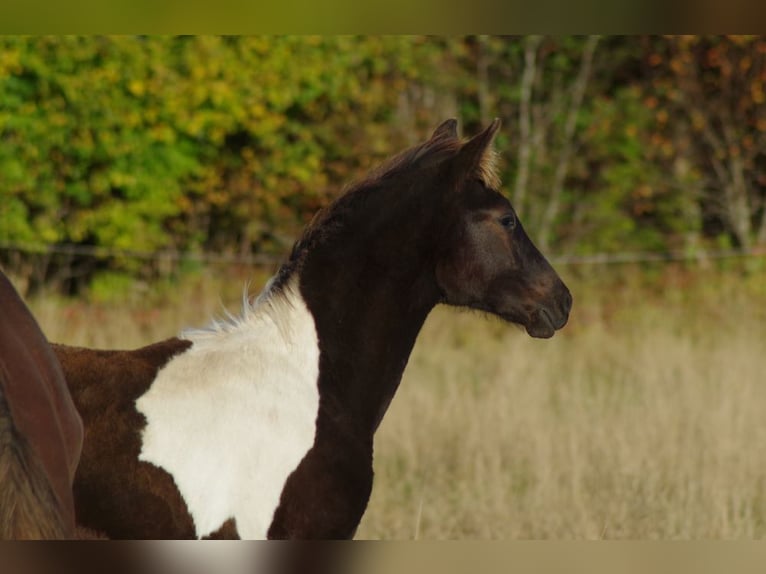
column 115, row 493
column 100, row 380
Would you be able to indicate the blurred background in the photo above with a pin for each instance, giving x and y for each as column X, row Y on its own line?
column 144, row 181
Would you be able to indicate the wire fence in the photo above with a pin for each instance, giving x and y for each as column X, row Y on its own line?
column 656, row 257
column 260, row 259
column 156, row 256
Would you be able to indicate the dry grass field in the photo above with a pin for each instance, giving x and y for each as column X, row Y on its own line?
column 644, row 418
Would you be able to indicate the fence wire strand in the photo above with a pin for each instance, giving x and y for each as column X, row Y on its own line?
column 262, row 259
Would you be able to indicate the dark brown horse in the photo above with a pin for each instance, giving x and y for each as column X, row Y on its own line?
column 40, row 430
column 262, row 425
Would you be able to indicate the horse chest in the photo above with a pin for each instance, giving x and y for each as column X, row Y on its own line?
column 231, row 418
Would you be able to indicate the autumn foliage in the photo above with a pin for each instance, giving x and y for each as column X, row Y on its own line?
column 229, row 144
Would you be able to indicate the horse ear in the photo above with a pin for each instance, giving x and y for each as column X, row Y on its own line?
column 476, row 157
column 474, row 149
column 446, row 130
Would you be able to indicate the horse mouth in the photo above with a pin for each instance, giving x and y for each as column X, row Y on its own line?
column 540, row 325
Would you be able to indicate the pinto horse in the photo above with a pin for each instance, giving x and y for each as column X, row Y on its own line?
column 262, row 426
column 40, row 430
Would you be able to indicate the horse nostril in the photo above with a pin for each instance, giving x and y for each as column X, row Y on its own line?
column 567, row 300
column 565, row 305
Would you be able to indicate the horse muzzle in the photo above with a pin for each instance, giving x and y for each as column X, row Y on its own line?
column 545, row 320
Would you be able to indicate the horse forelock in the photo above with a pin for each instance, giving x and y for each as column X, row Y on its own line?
column 487, row 171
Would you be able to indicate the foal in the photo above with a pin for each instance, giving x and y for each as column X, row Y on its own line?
column 263, row 426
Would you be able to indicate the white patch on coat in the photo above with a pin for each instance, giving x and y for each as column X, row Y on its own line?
column 232, row 417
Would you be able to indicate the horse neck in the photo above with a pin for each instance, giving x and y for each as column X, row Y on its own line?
column 369, row 298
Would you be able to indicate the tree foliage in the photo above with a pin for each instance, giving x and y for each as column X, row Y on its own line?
column 229, row 144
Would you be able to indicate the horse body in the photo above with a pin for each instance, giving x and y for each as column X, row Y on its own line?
column 40, row 430
column 263, row 426
column 196, row 437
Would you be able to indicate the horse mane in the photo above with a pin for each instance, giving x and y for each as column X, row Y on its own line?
column 271, row 304
column 424, row 156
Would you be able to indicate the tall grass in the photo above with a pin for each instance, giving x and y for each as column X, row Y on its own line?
column 644, row 418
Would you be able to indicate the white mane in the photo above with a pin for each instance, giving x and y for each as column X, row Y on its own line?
column 270, row 304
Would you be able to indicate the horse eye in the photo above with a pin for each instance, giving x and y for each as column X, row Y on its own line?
column 508, row 221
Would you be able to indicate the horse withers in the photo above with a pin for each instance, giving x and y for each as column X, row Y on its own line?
column 262, row 426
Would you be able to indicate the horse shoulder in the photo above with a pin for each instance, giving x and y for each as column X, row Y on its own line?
column 231, row 419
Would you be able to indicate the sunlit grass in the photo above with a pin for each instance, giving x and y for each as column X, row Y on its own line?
column 644, row 418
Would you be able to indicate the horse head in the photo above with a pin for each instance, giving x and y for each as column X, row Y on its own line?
column 486, row 260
